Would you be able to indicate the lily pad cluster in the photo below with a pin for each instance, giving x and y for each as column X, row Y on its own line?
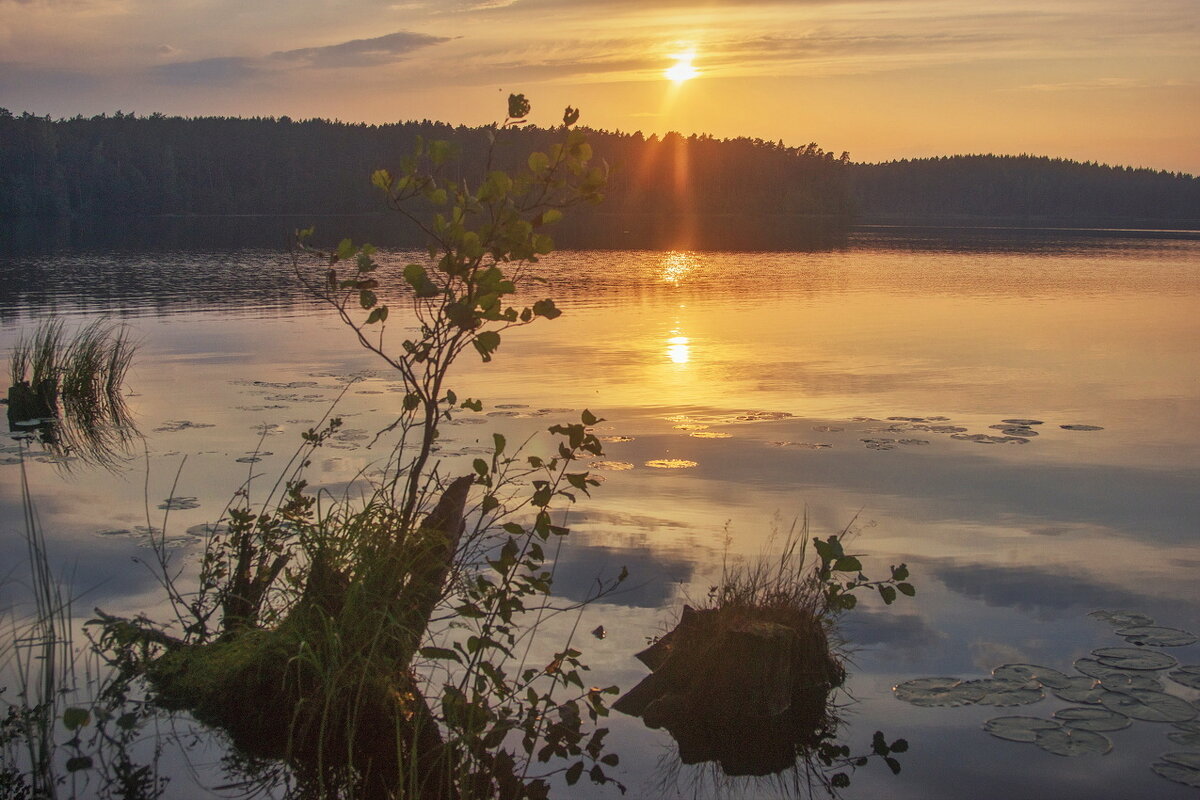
column 1114, row 687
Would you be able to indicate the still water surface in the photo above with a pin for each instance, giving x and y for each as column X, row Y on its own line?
column 776, row 373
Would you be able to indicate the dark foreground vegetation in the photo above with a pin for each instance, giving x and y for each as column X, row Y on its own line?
column 157, row 165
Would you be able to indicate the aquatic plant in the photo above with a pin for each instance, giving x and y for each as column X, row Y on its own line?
column 386, row 641
column 746, row 680
column 69, row 389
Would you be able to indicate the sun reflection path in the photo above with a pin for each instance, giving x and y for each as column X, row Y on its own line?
column 676, row 266
column 678, row 349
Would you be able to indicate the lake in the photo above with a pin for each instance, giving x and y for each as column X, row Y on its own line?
column 871, row 385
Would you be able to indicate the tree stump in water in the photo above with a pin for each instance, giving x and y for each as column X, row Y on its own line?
column 737, row 687
column 27, row 402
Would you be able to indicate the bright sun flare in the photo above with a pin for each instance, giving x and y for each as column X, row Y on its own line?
column 683, row 69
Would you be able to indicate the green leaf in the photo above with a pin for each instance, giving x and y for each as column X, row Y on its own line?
column 610, row 759
column 481, row 466
column 489, row 503
column 900, row 573
column 345, row 249
column 588, row 418
column 379, row 314
column 574, row 772
column 570, row 116
column 539, row 162
column 442, row 653
column 486, row 343
column 381, row 179
column 518, row 106
column 367, row 298
column 847, row 564
column 75, row 718
column 906, row 589
column 888, row 593
column 499, row 442
column 79, row 762
column 546, row 308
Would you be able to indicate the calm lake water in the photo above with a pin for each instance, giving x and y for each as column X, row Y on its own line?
column 844, row 385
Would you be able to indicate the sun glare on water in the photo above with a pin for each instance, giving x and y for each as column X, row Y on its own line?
column 683, row 69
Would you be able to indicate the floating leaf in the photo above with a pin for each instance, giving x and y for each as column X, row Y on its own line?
column 1134, row 658
column 1132, row 680
column 1069, row 742
column 1185, row 738
column 999, row 692
column 937, row 692
column 1018, row 729
column 1122, row 619
column 616, row 466
column 1081, row 427
column 1179, row 767
column 1046, row 676
column 1188, row 675
column 1157, row 636
column 1081, row 689
column 670, row 463
column 1149, row 705
column 1092, row 719
column 1022, row 422
column 1095, row 669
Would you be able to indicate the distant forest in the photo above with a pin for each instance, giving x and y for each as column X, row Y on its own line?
column 122, row 164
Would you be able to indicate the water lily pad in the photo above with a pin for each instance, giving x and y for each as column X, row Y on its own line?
column 691, row 426
column 1022, row 422
column 983, row 438
column 179, row 503
column 1134, row 658
column 1014, row 430
column 1185, row 738
column 1179, row 767
column 1122, row 619
column 1081, row 689
column 206, row 529
column 937, row 692
column 1131, row 680
column 1149, row 705
column 1072, row 742
column 1187, row 675
column 1019, row 729
column 1081, row 427
column 616, row 439
column 710, row 435
column 913, row 441
column 1092, row 719
column 999, row 692
column 827, row 428
column 1093, row 668
column 1046, row 676
column 802, row 445
column 670, row 463
column 615, row 466
column 1157, row 636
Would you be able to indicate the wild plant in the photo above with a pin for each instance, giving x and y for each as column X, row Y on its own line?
column 394, row 631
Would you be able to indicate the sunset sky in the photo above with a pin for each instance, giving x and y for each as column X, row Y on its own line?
column 1107, row 80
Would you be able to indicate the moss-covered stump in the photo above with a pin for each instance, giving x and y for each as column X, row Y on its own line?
column 740, row 686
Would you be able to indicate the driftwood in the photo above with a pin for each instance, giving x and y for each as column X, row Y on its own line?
column 740, row 688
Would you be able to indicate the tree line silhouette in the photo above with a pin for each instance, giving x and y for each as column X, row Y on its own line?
column 124, row 164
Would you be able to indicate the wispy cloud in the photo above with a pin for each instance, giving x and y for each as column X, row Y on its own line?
column 356, row 53
column 361, row 52
column 206, row 72
column 1099, row 84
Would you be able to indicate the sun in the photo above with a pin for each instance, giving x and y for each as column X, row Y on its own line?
column 683, row 69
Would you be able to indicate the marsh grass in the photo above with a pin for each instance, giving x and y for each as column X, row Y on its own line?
column 74, row 385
